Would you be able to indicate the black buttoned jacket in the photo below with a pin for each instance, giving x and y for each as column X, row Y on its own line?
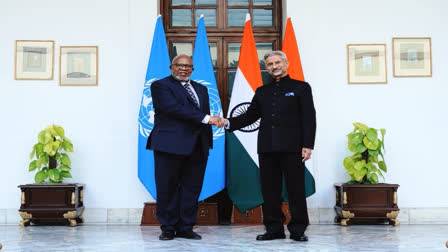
column 288, row 117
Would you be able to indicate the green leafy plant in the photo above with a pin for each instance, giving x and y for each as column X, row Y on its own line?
column 365, row 166
column 50, row 155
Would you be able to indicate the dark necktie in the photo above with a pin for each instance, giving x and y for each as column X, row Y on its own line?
column 190, row 92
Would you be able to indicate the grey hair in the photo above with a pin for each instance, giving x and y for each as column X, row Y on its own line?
column 180, row 55
column 272, row 53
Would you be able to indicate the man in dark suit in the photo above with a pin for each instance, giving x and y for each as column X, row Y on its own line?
column 181, row 139
column 285, row 140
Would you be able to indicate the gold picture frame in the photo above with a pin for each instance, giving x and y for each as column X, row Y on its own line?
column 412, row 56
column 34, row 60
column 366, row 64
column 78, row 66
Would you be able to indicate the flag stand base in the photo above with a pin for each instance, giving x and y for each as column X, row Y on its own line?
column 254, row 216
column 207, row 214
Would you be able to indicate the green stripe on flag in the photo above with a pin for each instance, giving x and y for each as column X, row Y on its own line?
column 243, row 176
column 310, row 186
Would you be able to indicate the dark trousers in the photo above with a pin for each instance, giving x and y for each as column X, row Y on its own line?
column 272, row 166
column 178, row 182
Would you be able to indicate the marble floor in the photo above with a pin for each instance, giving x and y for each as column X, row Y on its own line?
column 359, row 238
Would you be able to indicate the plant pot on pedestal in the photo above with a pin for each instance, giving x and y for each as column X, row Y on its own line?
column 362, row 198
column 49, row 201
column 51, row 204
column 366, row 203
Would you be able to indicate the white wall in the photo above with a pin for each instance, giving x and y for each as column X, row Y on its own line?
column 102, row 121
column 412, row 110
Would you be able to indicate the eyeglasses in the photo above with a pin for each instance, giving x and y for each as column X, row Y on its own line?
column 184, row 66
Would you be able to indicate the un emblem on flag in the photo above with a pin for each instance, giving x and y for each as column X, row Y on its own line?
column 241, row 109
column 146, row 114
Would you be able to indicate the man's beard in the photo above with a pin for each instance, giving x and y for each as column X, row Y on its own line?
column 180, row 79
column 276, row 72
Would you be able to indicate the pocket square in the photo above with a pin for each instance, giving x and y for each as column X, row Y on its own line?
column 289, row 94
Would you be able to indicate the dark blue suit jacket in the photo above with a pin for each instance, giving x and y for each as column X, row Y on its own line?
column 178, row 123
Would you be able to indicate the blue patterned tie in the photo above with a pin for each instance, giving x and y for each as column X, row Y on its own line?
column 190, row 92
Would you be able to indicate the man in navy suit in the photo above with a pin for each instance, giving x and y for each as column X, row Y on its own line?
column 181, row 139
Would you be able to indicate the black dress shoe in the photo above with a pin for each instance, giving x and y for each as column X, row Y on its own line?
column 299, row 237
column 188, row 235
column 270, row 236
column 166, row 235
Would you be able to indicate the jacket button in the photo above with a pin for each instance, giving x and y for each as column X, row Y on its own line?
column 273, row 126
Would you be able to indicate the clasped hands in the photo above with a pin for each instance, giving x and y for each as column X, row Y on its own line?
column 218, row 121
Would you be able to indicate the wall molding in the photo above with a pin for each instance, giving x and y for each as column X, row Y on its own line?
column 132, row 216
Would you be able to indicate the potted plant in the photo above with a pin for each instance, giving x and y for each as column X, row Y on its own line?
column 49, row 200
column 362, row 197
column 51, row 159
column 365, row 165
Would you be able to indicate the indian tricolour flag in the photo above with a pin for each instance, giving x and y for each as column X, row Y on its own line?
column 243, row 174
column 295, row 72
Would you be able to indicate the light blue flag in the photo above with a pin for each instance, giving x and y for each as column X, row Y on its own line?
column 158, row 67
column 214, row 179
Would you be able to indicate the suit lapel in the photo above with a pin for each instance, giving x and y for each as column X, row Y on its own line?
column 184, row 91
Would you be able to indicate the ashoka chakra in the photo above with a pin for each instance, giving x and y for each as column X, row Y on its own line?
column 241, row 109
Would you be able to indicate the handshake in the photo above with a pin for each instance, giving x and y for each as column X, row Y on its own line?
column 218, row 121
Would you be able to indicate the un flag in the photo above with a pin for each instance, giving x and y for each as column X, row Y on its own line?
column 214, row 179
column 158, row 67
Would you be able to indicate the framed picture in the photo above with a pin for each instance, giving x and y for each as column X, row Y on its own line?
column 366, row 64
column 34, row 60
column 412, row 57
column 78, row 66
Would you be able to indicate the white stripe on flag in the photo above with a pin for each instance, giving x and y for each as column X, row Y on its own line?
column 243, row 92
